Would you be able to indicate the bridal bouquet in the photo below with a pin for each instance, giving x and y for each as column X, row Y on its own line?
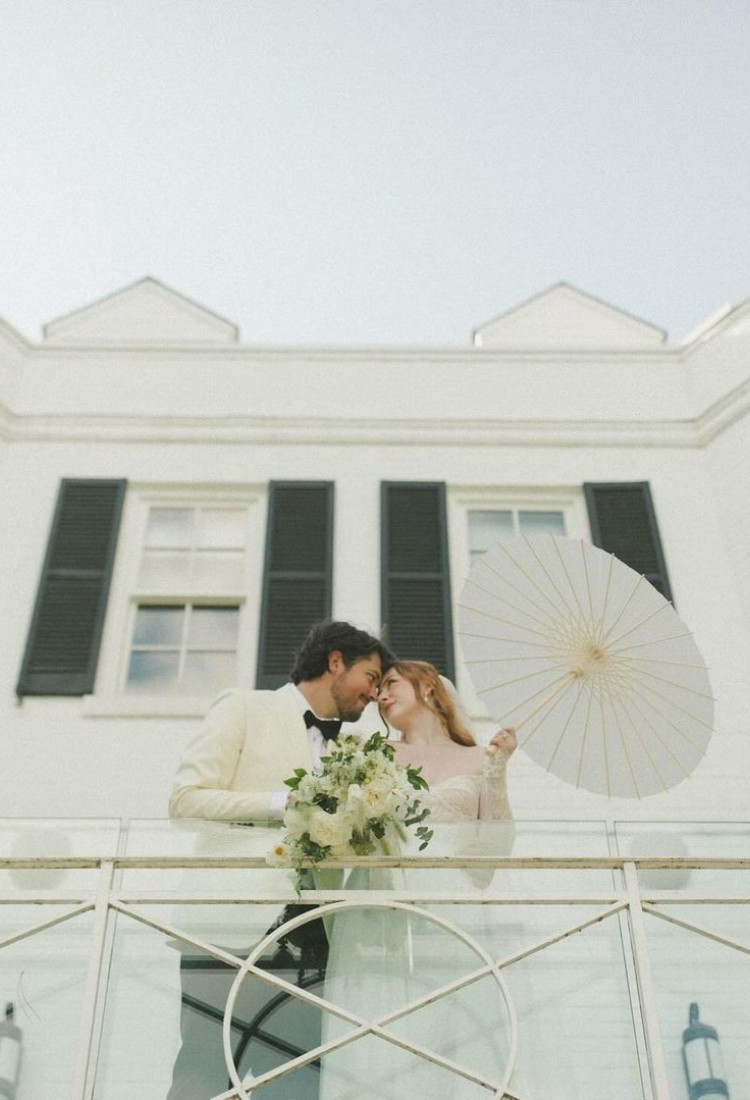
column 350, row 804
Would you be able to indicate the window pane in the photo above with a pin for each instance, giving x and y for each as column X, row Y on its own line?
column 170, row 527
column 217, row 572
column 487, row 528
column 167, row 570
column 153, row 673
column 222, row 527
column 542, row 523
column 208, row 673
column 213, row 627
column 158, row 626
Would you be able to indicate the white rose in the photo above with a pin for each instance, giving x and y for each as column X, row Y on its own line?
column 308, row 786
column 377, row 796
column 296, row 821
column 328, row 829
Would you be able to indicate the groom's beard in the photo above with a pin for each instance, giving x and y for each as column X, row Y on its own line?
column 349, row 703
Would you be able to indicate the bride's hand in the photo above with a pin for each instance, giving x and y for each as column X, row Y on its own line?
column 504, row 741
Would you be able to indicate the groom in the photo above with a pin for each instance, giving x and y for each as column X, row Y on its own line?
column 252, row 741
column 234, row 771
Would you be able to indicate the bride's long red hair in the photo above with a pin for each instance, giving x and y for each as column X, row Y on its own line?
column 433, row 694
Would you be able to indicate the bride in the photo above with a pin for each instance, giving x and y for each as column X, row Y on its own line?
column 383, row 959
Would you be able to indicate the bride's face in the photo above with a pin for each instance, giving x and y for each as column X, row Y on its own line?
column 398, row 700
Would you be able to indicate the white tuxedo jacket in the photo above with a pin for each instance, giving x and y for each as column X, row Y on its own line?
column 249, row 744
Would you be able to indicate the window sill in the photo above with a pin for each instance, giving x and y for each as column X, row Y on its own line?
column 145, row 706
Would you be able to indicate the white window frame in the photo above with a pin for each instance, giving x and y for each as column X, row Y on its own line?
column 487, row 498
column 110, row 698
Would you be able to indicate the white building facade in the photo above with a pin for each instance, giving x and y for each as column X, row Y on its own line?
column 179, row 506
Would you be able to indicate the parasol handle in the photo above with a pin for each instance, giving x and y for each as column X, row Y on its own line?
column 575, row 674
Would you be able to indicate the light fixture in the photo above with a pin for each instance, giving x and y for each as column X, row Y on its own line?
column 701, row 1054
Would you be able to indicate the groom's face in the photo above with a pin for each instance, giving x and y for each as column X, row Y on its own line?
column 354, row 687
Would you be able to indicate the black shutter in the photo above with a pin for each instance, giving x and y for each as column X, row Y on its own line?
column 66, row 627
column 623, row 522
column 415, row 584
column 298, row 573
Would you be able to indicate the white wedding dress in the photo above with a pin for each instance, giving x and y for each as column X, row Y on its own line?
column 382, row 960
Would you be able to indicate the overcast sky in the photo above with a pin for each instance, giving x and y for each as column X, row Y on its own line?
column 375, row 171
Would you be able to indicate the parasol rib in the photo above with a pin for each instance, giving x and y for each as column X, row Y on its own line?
column 642, row 622
column 626, row 752
column 507, row 622
column 657, row 737
column 568, row 577
column 502, row 599
column 644, row 746
column 564, row 683
column 524, row 573
column 672, row 683
column 553, row 582
column 639, row 580
column 565, row 725
column 520, row 591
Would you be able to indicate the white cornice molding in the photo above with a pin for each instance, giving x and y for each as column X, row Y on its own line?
column 465, row 432
column 260, row 356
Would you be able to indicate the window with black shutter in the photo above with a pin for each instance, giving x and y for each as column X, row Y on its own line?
column 623, row 522
column 298, row 574
column 66, row 627
column 415, row 585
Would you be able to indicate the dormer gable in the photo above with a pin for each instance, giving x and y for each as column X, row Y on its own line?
column 146, row 313
column 563, row 317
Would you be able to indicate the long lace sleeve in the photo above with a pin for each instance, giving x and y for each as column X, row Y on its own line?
column 493, row 792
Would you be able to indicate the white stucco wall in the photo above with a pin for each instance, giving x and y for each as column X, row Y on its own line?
column 482, row 418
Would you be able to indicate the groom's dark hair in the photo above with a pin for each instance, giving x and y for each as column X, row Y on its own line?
column 311, row 659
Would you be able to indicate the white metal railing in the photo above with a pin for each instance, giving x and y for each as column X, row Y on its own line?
column 555, row 920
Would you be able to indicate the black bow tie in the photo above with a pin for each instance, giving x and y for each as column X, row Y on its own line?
column 329, row 727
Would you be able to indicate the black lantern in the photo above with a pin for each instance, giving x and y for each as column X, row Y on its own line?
column 702, row 1057
column 10, row 1054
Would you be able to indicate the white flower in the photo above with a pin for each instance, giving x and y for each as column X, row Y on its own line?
column 328, row 829
column 377, row 796
column 280, row 855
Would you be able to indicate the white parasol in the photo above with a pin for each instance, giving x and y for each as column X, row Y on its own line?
column 593, row 666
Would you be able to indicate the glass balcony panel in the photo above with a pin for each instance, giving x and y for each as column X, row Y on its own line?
column 688, row 967
column 698, row 840
column 42, row 838
column 44, row 978
column 576, row 1033
column 165, row 1006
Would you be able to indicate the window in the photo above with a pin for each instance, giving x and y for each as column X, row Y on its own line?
column 486, row 527
column 186, row 605
column 179, row 648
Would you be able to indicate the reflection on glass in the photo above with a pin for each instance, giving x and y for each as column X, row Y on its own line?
column 213, row 626
column 486, row 528
column 158, row 626
column 153, row 672
column 171, row 527
column 217, row 571
column 208, row 673
column 221, row 527
column 541, row 523
column 164, row 569
column 43, row 976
